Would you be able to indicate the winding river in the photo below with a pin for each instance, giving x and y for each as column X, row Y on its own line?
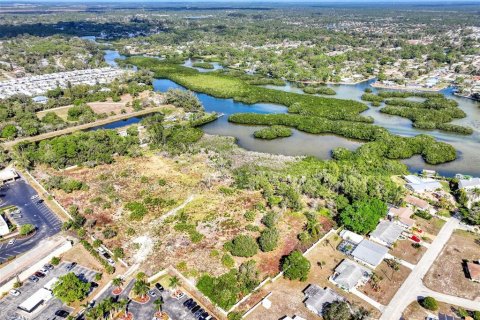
column 300, row 143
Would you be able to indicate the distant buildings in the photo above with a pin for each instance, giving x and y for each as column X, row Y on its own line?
column 386, row 233
column 348, row 275
column 318, row 298
column 369, row 253
column 40, row 84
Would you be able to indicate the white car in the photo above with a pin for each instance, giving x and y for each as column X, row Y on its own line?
column 110, row 261
column 14, row 293
column 12, row 241
column 34, row 197
column 44, row 270
column 101, row 250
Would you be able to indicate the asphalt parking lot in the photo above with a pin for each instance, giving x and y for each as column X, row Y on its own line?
column 9, row 304
column 19, row 193
column 172, row 306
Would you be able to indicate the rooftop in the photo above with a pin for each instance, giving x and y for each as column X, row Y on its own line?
column 469, row 183
column 387, row 232
column 403, row 214
column 474, row 270
column 417, row 202
column 370, row 252
column 349, row 273
column 318, row 297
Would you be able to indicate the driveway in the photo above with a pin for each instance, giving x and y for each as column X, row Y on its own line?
column 18, row 193
column 413, row 287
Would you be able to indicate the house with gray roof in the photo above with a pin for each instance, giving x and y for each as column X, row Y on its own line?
column 386, row 233
column 348, row 275
column 469, row 184
column 317, row 298
column 369, row 253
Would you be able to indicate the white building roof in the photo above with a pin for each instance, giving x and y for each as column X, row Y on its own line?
column 3, row 227
column 36, row 299
column 349, row 273
column 370, row 252
column 49, row 285
column 387, row 232
column 469, row 183
column 318, row 297
column 424, row 186
column 8, row 174
column 413, row 179
column 351, row 236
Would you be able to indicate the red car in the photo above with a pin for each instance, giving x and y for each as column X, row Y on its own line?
column 415, row 239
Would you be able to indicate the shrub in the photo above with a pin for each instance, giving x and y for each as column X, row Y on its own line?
column 242, row 246
column 270, row 219
column 26, row 229
column 423, row 214
column 228, row 261
column 429, row 303
column 55, row 261
column 268, row 239
column 250, row 215
column 295, row 266
column 110, row 269
column 137, row 210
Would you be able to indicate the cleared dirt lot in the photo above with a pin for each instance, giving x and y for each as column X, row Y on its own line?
column 404, row 250
column 431, row 227
column 447, row 273
column 416, row 312
column 287, row 296
column 390, row 281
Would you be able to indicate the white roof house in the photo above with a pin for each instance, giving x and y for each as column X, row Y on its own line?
column 413, row 179
column 351, row 236
column 386, row 233
column 427, row 186
column 3, row 227
column 318, row 298
column 469, row 184
column 369, row 253
column 349, row 275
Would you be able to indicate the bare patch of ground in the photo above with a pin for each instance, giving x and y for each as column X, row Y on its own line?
column 416, row 312
column 405, row 250
column 390, row 281
column 447, row 274
column 430, row 227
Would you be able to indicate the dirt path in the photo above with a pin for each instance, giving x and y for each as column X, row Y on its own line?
column 173, row 211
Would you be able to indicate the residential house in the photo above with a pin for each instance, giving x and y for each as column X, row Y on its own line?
column 469, row 184
column 402, row 217
column 386, row 233
column 420, row 185
column 474, row 271
column 369, row 253
column 351, row 236
column 348, row 275
column 318, row 298
column 417, row 203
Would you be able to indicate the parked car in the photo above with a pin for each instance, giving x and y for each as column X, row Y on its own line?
column 12, row 241
column 191, row 305
column 188, row 302
column 152, row 293
column 101, row 250
column 159, row 287
column 39, row 274
column 93, row 284
column 48, row 266
column 195, row 309
column 110, row 261
column 14, row 293
column 204, row 315
column 414, row 238
column 71, row 266
column 44, row 270
column 198, row 313
column 62, row 313
column 33, row 279
column 34, row 197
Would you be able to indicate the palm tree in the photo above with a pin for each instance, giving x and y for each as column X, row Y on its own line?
column 140, row 288
column 174, row 282
column 118, row 282
column 158, row 304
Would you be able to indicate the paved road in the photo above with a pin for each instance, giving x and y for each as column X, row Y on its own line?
column 413, row 287
column 18, row 193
